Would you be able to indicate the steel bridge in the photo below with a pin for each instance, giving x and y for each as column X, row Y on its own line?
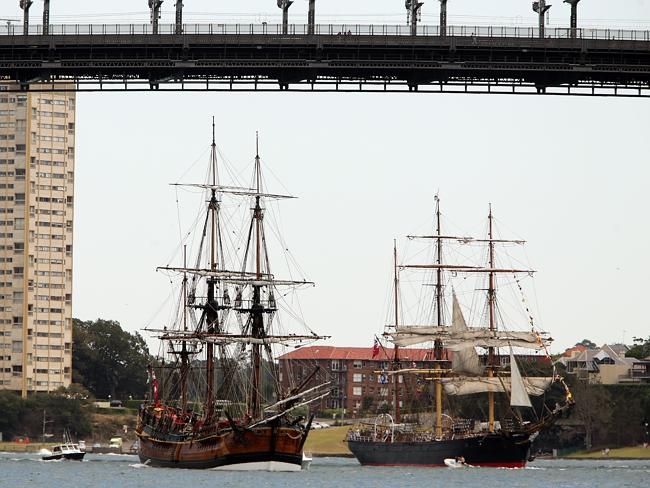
column 320, row 58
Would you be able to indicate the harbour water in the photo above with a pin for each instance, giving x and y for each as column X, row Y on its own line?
column 99, row 471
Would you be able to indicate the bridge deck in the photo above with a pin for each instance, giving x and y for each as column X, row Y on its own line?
column 260, row 58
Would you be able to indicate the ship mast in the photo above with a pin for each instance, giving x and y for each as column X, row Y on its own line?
column 438, row 342
column 185, row 363
column 211, row 307
column 396, row 365
column 257, row 309
column 492, row 324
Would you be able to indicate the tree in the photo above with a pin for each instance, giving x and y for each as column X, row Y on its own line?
column 367, row 403
column 108, row 360
column 12, row 409
column 593, row 409
column 61, row 409
column 587, row 343
column 640, row 349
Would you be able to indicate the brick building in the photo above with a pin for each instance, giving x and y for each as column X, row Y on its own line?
column 357, row 380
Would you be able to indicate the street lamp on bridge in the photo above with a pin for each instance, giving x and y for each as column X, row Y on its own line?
column 574, row 16
column 179, row 17
column 413, row 7
column 25, row 4
column 541, row 8
column 46, row 17
column 311, row 17
column 443, row 18
column 284, row 5
column 154, row 6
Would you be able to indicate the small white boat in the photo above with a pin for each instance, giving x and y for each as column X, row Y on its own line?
column 456, row 463
column 68, row 450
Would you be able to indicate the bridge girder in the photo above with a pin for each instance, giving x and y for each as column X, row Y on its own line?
column 383, row 63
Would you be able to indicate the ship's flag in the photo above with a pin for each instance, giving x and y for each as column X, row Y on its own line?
column 151, row 379
column 375, row 348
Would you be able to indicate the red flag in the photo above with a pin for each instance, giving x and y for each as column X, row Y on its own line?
column 375, row 349
column 151, row 378
column 154, row 385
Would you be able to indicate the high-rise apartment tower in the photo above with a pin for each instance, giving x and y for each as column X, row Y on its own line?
column 37, row 135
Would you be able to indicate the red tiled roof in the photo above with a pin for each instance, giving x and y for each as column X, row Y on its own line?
column 360, row 353
column 577, row 348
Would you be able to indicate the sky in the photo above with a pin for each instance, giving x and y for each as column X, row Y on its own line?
column 569, row 175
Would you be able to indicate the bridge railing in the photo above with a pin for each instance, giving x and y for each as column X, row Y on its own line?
column 327, row 30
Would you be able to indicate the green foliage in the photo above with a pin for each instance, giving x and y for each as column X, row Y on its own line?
column 108, row 360
column 367, row 403
column 11, row 406
column 640, row 349
column 587, row 343
column 24, row 417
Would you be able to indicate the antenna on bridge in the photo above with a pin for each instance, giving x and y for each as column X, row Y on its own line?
column 46, row 17
column 179, row 16
column 443, row 18
column 413, row 8
column 25, row 4
column 574, row 17
column 284, row 5
column 154, row 6
column 311, row 17
column 541, row 8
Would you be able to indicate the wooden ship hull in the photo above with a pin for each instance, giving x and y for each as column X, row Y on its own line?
column 261, row 448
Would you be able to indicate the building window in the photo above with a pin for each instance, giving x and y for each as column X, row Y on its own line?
column 358, row 364
column 357, row 377
column 357, row 391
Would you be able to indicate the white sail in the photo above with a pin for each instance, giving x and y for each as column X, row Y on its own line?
column 468, row 386
column 466, row 360
column 518, row 395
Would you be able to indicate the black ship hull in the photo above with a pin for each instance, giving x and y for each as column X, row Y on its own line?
column 425, row 453
column 491, row 450
column 498, row 450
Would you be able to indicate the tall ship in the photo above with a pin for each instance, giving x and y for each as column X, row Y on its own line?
column 490, row 386
column 215, row 397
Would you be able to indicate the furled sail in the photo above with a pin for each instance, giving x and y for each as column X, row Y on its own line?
column 466, row 360
column 468, row 386
column 457, row 340
column 518, row 395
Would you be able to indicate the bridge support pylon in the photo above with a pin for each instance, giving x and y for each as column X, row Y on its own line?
column 25, row 4
column 46, row 17
column 574, row 17
column 179, row 17
column 284, row 5
column 443, row 18
column 541, row 8
column 311, row 17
